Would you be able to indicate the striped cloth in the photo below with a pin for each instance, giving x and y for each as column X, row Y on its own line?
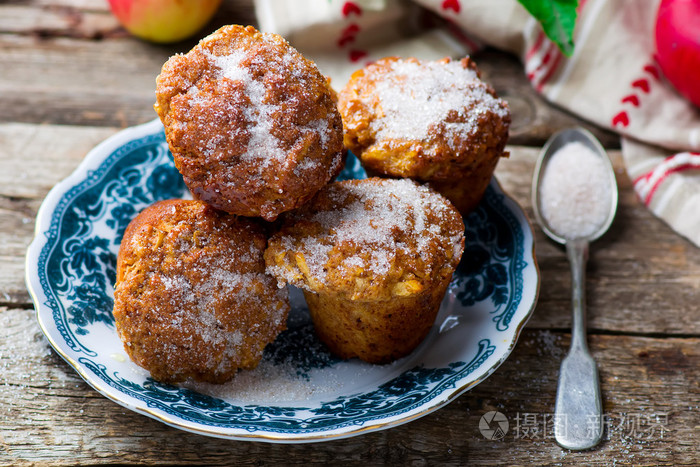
column 611, row 80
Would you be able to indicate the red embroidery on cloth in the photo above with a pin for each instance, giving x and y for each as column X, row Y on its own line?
column 641, row 84
column 652, row 70
column 621, row 119
column 348, row 35
column 357, row 55
column 647, row 184
column 451, row 5
column 350, row 8
column 632, row 99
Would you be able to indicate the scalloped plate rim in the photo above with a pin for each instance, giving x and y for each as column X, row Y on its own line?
column 93, row 160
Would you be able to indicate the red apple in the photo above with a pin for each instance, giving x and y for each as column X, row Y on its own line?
column 164, row 21
column 678, row 45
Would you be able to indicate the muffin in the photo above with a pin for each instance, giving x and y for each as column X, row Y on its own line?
column 373, row 258
column 192, row 300
column 251, row 123
column 432, row 121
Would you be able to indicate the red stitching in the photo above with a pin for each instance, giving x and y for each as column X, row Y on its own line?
column 632, row 99
column 356, row 55
column 348, row 35
column 642, row 84
column 621, row 118
column 350, row 8
column 351, row 30
column 652, row 70
column 451, row 5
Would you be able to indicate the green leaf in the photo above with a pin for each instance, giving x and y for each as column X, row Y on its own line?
column 558, row 18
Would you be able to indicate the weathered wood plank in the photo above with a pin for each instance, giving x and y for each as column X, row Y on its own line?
column 68, row 81
column 16, row 231
column 92, row 19
column 48, row 415
column 35, row 158
column 60, row 20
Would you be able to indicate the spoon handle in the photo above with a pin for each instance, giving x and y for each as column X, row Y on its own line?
column 578, row 422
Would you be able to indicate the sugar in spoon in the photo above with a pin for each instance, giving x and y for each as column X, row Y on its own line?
column 574, row 197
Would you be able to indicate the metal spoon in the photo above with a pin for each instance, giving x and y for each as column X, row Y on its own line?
column 578, row 421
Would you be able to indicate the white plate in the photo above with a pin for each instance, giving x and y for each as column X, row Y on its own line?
column 300, row 393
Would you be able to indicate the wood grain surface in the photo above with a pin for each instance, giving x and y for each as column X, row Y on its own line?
column 70, row 77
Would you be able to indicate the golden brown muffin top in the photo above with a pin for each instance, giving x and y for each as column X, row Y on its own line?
column 252, row 124
column 422, row 119
column 368, row 239
column 192, row 298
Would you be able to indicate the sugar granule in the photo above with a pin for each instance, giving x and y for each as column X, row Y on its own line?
column 575, row 192
column 415, row 97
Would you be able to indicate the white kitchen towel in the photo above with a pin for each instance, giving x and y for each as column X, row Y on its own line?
column 611, row 79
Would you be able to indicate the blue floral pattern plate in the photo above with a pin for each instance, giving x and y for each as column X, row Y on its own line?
column 300, row 392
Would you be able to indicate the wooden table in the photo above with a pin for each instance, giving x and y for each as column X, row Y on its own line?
column 70, row 77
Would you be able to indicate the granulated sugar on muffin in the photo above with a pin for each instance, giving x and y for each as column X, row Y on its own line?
column 192, row 300
column 432, row 121
column 374, row 258
column 252, row 125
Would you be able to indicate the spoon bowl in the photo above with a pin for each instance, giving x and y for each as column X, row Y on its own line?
column 554, row 144
column 578, row 420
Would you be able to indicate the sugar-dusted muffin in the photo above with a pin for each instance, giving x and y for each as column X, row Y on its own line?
column 433, row 121
column 374, row 258
column 192, row 300
column 251, row 123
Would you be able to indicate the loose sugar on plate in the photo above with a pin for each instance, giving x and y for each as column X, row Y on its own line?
column 575, row 191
